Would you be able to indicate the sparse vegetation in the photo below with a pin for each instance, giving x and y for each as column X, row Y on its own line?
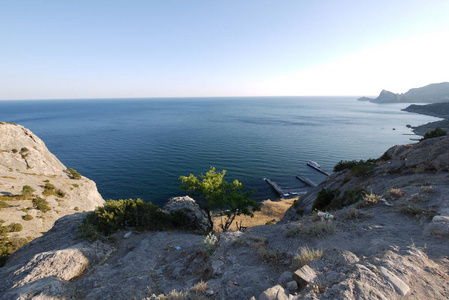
column 117, row 214
column 74, row 174
column 354, row 214
column 41, row 204
column 14, row 151
column 414, row 210
column 305, row 256
column 318, row 229
column 437, row 132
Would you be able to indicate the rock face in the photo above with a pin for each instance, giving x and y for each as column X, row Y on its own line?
column 25, row 160
column 197, row 217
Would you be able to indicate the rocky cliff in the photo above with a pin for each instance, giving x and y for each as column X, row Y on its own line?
column 26, row 162
column 391, row 244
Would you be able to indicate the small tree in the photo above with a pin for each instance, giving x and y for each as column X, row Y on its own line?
column 434, row 133
column 214, row 193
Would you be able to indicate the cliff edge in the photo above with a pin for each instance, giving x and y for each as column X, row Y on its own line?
column 36, row 189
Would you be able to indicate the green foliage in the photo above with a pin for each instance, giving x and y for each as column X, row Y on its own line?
column 215, row 193
column 117, row 214
column 27, row 217
column 74, row 174
column 329, row 199
column 3, row 204
column 27, row 190
column 24, row 149
column 345, row 164
column 434, row 133
column 8, row 246
column 359, row 168
column 50, row 189
column 324, row 199
column 14, row 150
column 15, row 227
column 41, row 204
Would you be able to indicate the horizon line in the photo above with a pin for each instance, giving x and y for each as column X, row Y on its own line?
column 178, row 97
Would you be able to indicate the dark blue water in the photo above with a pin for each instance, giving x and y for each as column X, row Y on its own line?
column 138, row 148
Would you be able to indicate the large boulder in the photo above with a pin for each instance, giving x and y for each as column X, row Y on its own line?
column 197, row 218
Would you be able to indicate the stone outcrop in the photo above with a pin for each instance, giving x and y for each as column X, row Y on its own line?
column 25, row 160
column 197, row 218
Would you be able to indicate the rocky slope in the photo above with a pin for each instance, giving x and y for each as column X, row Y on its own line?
column 436, row 92
column 397, row 249
column 26, row 161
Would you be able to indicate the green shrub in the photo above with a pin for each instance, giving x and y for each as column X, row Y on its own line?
column 50, row 189
column 27, row 190
column 344, row 164
column 24, row 149
column 14, row 151
column 119, row 214
column 434, row 133
column 41, row 204
column 349, row 197
column 15, row 227
column 8, row 246
column 359, row 168
column 3, row 204
column 74, row 174
column 324, row 199
column 27, row 217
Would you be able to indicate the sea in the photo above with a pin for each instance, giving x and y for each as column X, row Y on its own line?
column 138, row 148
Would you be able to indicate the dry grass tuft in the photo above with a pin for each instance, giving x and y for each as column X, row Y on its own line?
column 319, row 229
column 393, row 194
column 368, row 200
column 354, row 214
column 414, row 210
column 305, row 256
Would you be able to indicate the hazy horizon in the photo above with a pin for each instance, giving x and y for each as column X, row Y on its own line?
column 178, row 49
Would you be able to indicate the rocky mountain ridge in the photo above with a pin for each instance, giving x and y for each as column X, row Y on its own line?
column 395, row 248
column 432, row 93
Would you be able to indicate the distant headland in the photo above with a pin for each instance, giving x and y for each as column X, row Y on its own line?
column 432, row 93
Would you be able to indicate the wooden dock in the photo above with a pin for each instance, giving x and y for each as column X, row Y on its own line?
column 287, row 192
column 307, row 181
column 319, row 170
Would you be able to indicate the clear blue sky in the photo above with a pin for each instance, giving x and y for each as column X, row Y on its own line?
column 56, row 49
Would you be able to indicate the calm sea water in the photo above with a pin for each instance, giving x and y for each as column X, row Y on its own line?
column 138, row 148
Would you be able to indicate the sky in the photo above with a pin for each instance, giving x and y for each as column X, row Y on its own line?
column 61, row 49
